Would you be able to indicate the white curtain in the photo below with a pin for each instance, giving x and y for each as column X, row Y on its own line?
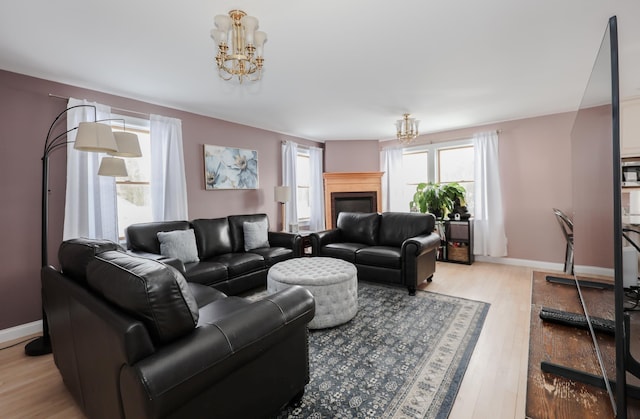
column 490, row 238
column 289, row 160
column 316, row 190
column 168, row 179
column 392, row 180
column 90, row 206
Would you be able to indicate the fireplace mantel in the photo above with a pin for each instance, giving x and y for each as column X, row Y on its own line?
column 350, row 182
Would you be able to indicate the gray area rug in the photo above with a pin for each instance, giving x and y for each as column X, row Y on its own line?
column 400, row 357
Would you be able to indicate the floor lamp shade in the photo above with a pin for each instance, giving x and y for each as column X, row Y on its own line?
column 128, row 145
column 96, row 137
column 282, row 194
column 112, row 166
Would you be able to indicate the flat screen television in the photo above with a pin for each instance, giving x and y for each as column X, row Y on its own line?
column 597, row 217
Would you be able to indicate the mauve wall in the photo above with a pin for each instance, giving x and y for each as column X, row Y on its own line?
column 352, row 156
column 535, row 158
column 27, row 111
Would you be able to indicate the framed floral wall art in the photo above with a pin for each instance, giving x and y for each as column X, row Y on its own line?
column 230, row 168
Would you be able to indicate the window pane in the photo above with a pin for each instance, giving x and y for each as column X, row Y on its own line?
column 134, row 205
column 415, row 167
column 455, row 164
column 415, row 171
column 303, row 170
column 139, row 168
column 304, row 209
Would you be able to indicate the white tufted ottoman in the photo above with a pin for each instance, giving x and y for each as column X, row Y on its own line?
column 333, row 283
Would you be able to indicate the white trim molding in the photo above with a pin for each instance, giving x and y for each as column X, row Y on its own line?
column 20, row 331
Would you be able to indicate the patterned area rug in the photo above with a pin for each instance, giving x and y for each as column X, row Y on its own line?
column 400, row 357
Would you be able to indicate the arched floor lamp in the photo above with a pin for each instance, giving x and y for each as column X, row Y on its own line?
column 92, row 137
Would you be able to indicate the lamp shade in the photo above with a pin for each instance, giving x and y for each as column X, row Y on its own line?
column 112, row 166
column 93, row 136
column 282, row 194
column 128, row 145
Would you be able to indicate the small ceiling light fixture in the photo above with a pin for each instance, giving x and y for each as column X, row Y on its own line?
column 239, row 46
column 407, row 129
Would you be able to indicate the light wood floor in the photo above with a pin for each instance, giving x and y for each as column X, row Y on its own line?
column 494, row 385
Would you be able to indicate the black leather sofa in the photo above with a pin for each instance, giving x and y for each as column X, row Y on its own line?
column 132, row 339
column 392, row 247
column 223, row 262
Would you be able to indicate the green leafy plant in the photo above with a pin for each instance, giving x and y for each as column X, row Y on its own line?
column 438, row 198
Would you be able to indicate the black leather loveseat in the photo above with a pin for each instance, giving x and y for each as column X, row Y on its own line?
column 392, row 247
column 222, row 261
column 132, row 339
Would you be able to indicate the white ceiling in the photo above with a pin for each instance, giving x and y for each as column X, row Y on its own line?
column 334, row 69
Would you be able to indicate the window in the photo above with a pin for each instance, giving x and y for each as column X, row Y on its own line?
column 134, row 191
column 441, row 163
column 303, row 180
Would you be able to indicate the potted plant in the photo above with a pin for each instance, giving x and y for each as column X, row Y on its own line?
column 438, row 198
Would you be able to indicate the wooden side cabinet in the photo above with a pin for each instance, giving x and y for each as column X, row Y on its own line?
column 459, row 237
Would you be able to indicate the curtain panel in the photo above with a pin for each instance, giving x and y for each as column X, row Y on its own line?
column 316, row 190
column 289, row 178
column 490, row 238
column 168, row 179
column 392, row 180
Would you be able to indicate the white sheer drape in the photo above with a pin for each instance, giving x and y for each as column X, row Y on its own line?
column 392, row 180
column 168, row 179
column 289, row 163
column 490, row 238
column 90, row 205
column 316, row 190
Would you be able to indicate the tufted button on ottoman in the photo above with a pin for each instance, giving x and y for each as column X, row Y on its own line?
column 333, row 283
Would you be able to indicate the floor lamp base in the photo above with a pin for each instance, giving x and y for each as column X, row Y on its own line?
column 38, row 347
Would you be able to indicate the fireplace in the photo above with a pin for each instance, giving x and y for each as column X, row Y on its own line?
column 353, row 202
column 353, row 192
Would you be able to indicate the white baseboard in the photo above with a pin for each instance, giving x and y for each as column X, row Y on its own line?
column 546, row 266
column 20, row 331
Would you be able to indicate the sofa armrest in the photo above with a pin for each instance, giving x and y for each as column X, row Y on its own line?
column 195, row 363
column 323, row 238
column 283, row 239
column 419, row 245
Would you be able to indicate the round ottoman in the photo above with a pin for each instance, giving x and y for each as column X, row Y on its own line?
column 333, row 283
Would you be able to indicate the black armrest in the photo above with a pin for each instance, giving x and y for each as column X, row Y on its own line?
column 283, row 239
column 323, row 238
column 419, row 245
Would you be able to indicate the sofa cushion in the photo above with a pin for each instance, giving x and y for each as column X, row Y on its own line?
column 212, row 236
column 255, row 235
column 236, row 227
column 273, row 255
column 359, row 227
column 75, row 254
column 151, row 291
column 382, row 256
column 240, row 263
column 396, row 227
column 205, row 272
column 179, row 244
column 344, row 251
column 143, row 237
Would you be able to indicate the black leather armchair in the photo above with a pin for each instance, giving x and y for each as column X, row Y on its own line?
column 132, row 339
column 392, row 247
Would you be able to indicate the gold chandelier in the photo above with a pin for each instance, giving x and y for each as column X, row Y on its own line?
column 407, row 129
column 239, row 46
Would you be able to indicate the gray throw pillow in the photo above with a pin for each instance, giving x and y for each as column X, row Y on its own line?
column 179, row 244
column 255, row 235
